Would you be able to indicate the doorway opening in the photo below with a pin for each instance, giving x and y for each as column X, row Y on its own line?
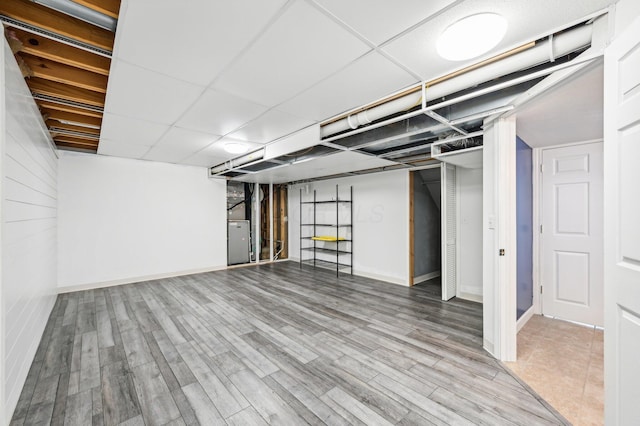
column 426, row 238
column 257, row 223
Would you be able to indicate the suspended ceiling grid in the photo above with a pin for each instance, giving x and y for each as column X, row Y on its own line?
column 186, row 79
column 68, row 83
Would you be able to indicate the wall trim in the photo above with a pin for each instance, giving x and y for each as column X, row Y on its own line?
column 360, row 273
column 469, row 296
column 132, row 280
column 426, row 277
column 525, row 318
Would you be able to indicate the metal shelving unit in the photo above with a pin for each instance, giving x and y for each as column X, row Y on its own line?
column 336, row 243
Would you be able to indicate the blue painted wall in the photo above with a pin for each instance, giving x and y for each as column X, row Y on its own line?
column 524, row 213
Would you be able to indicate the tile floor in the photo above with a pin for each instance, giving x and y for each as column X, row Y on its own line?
column 563, row 362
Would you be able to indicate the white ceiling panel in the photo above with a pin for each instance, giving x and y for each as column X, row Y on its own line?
column 565, row 114
column 366, row 80
column 220, row 113
column 186, row 139
column 215, row 154
column 130, row 130
column 341, row 162
column 122, row 149
column 271, row 126
column 192, row 41
column 301, row 48
column 147, row 95
column 380, row 20
column 527, row 20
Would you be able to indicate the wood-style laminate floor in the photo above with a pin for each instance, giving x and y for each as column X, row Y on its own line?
column 270, row 344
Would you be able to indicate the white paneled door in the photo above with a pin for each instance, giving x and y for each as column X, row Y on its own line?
column 572, row 233
column 622, row 236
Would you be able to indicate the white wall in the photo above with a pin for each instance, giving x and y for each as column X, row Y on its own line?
column 123, row 220
column 29, row 210
column 381, row 222
column 469, row 244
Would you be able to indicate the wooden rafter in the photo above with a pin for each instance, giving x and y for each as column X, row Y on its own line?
column 43, row 47
column 49, row 19
column 67, row 108
column 70, row 127
column 55, row 71
column 108, row 7
column 77, row 141
column 71, row 118
column 64, row 91
column 64, row 144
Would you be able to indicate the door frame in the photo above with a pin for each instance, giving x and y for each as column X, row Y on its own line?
column 537, row 223
column 411, row 276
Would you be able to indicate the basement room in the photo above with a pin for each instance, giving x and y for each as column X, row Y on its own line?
column 319, row 212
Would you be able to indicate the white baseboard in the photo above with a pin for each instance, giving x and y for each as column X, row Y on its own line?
column 524, row 318
column 365, row 274
column 469, row 296
column 426, row 277
column 92, row 286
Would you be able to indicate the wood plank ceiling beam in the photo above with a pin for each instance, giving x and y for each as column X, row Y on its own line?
column 43, row 47
column 59, row 23
column 71, row 118
column 76, row 141
column 68, row 108
column 63, row 144
column 64, row 91
column 72, row 128
column 107, row 7
column 54, row 71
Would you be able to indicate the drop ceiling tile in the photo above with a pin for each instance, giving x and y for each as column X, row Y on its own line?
column 178, row 144
column 138, row 93
column 186, row 138
column 203, row 160
column 271, row 126
column 527, row 21
column 342, row 162
column 220, row 113
column 215, row 154
column 366, row 80
column 301, row 48
column 122, row 149
column 131, row 130
column 383, row 19
column 191, row 41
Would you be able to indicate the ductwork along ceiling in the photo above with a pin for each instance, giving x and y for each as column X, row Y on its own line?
column 402, row 128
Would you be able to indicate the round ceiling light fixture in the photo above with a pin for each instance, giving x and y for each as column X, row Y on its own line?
column 235, row 148
column 471, row 36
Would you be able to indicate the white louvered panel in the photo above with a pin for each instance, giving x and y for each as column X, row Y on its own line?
column 450, row 233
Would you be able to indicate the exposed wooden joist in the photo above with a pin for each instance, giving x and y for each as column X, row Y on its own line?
column 43, row 47
column 70, row 127
column 107, row 7
column 55, row 71
column 49, row 19
column 67, row 108
column 69, row 117
column 64, row 91
column 76, row 141
column 73, row 146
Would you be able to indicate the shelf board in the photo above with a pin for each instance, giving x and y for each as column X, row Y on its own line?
column 326, row 225
column 326, row 202
column 325, row 250
column 341, row 241
column 326, row 263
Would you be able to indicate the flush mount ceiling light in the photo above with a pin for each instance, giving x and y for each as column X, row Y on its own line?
column 235, row 148
column 471, row 36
